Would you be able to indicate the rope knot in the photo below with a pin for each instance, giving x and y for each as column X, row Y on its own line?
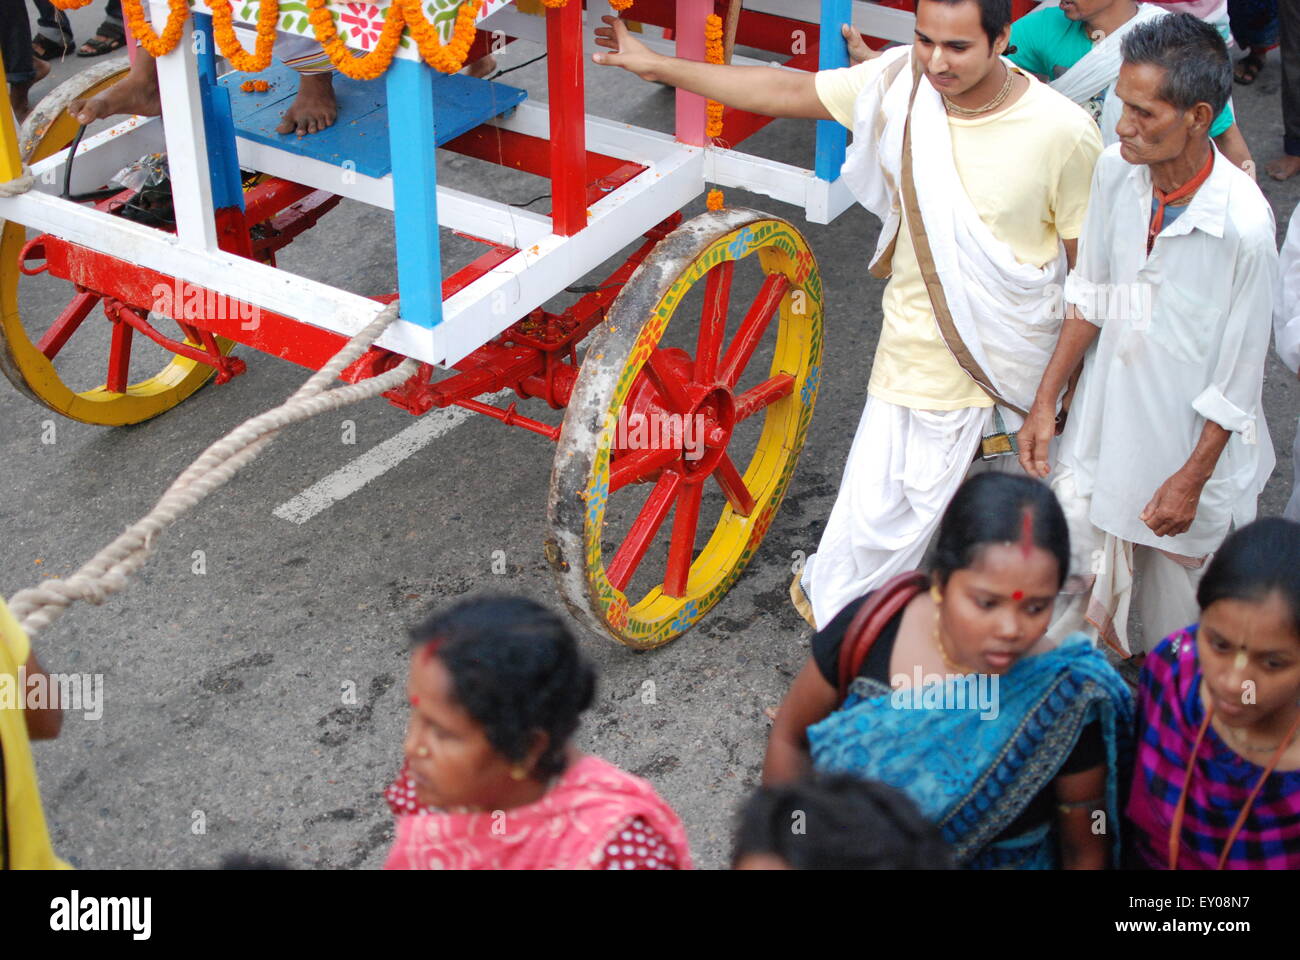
column 19, row 185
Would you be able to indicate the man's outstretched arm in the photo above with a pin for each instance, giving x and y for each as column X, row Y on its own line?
column 767, row 90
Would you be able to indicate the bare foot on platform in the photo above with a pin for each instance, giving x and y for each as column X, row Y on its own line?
column 314, row 108
column 1284, row 167
column 136, row 94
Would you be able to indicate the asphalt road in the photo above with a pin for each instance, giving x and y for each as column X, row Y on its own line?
column 225, row 726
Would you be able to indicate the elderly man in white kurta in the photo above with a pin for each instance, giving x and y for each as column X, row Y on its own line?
column 1286, row 326
column 1166, row 446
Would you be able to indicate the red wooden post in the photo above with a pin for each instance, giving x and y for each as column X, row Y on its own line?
column 568, row 119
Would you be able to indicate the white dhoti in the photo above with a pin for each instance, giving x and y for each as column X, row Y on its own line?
column 303, row 53
column 902, row 471
column 1115, row 578
column 905, row 464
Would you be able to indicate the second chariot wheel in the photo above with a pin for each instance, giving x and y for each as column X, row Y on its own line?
column 704, row 422
column 137, row 380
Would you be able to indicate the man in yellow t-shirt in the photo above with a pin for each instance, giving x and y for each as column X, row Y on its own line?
column 1024, row 155
column 24, row 840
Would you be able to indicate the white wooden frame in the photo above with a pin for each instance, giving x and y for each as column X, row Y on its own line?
column 676, row 174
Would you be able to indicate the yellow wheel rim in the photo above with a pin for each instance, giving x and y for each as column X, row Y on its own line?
column 657, row 617
column 50, row 129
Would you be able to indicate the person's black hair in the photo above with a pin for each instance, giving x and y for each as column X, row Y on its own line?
column 839, row 823
column 1192, row 55
column 992, row 508
column 1260, row 559
column 517, row 670
column 995, row 16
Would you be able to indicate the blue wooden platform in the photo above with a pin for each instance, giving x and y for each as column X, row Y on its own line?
column 361, row 134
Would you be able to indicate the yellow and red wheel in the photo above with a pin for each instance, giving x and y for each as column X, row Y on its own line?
column 704, row 422
column 62, row 365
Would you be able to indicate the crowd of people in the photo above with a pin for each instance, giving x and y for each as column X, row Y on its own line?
column 1063, row 439
column 881, row 756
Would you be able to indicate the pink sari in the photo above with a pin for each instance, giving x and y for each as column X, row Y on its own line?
column 567, row 829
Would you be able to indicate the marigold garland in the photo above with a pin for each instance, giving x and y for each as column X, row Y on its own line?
column 713, row 54
column 449, row 57
column 223, row 29
column 156, row 45
column 372, row 64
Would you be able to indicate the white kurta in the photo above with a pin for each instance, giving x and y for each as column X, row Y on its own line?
column 1184, row 337
column 1286, row 329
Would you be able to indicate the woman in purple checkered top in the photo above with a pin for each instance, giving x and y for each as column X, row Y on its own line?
column 1217, row 782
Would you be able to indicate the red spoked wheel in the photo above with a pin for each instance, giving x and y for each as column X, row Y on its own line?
column 703, row 421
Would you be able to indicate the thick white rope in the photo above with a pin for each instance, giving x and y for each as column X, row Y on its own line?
column 107, row 572
column 19, row 185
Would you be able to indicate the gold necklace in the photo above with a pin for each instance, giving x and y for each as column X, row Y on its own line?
column 959, row 111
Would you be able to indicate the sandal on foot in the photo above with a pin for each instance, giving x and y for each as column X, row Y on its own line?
column 46, row 49
column 1247, row 69
column 100, row 45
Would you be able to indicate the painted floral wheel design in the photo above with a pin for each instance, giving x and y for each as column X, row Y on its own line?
column 731, row 427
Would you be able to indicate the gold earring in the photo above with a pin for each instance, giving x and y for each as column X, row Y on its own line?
column 936, row 595
column 518, row 773
column 421, row 751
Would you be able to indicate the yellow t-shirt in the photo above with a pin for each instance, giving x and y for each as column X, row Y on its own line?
column 1027, row 171
column 23, row 820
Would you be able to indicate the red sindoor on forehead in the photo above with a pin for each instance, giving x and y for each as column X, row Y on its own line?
column 1027, row 533
column 1026, row 543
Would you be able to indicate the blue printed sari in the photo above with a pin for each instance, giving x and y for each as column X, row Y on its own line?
column 973, row 771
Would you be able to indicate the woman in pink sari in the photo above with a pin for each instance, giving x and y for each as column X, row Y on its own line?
column 491, row 780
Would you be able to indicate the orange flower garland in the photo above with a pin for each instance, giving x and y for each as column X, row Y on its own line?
column 223, row 28
column 713, row 54
column 367, row 67
column 154, row 44
column 449, row 58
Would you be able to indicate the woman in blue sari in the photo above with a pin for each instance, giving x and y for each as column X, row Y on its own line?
column 1009, row 743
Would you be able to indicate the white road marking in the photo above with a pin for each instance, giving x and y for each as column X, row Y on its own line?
column 376, row 461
